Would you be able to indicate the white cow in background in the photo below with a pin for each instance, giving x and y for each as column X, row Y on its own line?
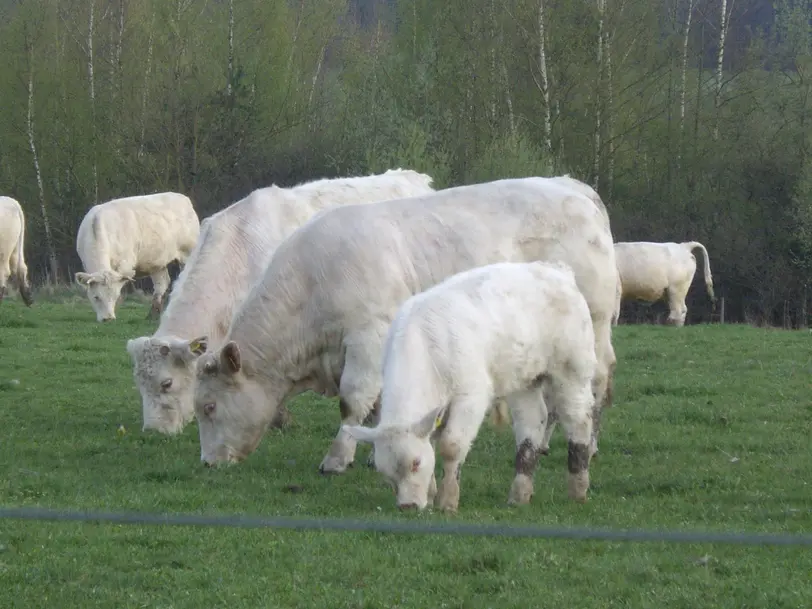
column 649, row 271
column 318, row 317
column 127, row 238
column 12, row 244
column 505, row 330
column 232, row 251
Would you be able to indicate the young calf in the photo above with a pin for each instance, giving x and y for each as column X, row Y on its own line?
column 518, row 331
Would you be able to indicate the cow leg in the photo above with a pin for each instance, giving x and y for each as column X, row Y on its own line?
column 573, row 399
column 678, row 309
column 552, row 419
column 432, row 494
column 359, row 388
column 604, row 375
column 160, row 284
column 529, row 426
column 2, row 292
column 25, row 293
column 466, row 414
column 372, row 420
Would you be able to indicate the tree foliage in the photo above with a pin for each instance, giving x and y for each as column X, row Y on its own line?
column 459, row 89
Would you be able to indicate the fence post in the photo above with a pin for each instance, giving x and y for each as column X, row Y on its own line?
column 722, row 310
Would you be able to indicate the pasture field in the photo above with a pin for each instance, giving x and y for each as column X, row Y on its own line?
column 710, row 430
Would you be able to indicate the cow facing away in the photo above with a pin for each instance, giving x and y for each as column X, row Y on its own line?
column 12, row 245
column 504, row 330
column 319, row 316
column 650, row 271
column 234, row 247
column 127, row 238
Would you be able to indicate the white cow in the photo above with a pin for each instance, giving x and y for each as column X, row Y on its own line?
column 504, row 330
column 500, row 414
column 232, row 251
column 12, row 256
column 126, row 238
column 319, row 316
column 648, row 271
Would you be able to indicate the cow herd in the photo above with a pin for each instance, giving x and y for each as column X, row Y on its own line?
column 421, row 309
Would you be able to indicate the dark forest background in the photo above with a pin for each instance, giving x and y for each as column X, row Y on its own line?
column 691, row 117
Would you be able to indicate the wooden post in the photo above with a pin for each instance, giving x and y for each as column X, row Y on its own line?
column 722, row 310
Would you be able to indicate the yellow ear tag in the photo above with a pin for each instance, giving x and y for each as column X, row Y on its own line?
column 194, row 345
column 437, row 422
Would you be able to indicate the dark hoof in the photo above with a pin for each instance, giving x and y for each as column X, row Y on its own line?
column 334, row 473
column 545, row 452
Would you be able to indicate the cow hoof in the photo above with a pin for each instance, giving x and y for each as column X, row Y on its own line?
column 520, row 491
column 545, row 452
column 577, row 486
column 331, row 466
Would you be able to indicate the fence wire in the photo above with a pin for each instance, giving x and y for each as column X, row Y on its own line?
column 402, row 527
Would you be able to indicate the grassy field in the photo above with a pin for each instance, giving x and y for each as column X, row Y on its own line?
column 710, row 430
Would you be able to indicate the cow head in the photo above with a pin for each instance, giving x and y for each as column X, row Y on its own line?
column 164, row 372
column 103, row 289
column 232, row 407
column 404, row 455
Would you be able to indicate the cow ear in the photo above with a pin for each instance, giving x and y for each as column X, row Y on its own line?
column 189, row 350
column 83, row 279
column 136, row 345
column 199, row 345
column 230, row 359
column 430, row 423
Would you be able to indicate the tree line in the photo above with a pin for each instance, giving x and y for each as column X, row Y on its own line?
column 690, row 117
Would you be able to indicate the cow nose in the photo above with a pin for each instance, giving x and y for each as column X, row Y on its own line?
column 104, row 319
column 407, row 506
column 208, row 463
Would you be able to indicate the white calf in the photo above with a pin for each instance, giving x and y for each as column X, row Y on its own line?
column 519, row 331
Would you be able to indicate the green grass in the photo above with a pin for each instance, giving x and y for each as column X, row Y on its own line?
column 710, row 430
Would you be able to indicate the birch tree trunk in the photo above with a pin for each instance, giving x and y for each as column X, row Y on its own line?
column 596, row 165
column 145, row 94
column 115, row 72
column 684, row 80
column 504, row 82
column 230, row 46
column 313, row 87
column 545, row 81
column 291, row 79
column 116, row 76
column 46, row 221
column 59, row 124
column 92, row 82
column 610, row 127
column 508, row 99
column 494, row 78
column 725, row 22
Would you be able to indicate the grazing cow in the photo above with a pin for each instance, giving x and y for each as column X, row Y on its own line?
column 319, row 316
column 127, row 238
column 500, row 414
column 12, row 256
column 232, row 251
column 505, row 330
column 648, row 271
